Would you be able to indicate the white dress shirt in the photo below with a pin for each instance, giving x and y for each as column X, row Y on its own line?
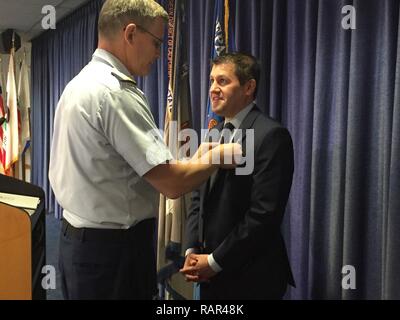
column 102, row 147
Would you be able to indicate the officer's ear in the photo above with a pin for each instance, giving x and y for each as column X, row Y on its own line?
column 129, row 32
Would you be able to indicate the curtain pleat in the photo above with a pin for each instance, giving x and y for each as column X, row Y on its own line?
column 57, row 56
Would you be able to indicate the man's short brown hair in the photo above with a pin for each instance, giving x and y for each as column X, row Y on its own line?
column 246, row 66
column 115, row 14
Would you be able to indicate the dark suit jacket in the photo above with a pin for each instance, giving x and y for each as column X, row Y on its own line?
column 241, row 218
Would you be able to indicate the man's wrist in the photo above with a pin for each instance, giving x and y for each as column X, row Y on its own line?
column 213, row 264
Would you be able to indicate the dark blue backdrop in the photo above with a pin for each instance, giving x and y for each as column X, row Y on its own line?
column 338, row 92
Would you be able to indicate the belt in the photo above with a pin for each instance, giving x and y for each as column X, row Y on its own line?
column 143, row 230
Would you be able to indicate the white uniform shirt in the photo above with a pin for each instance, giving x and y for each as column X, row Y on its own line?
column 102, row 147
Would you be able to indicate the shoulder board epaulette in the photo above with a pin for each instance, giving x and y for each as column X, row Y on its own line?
column 123, row 78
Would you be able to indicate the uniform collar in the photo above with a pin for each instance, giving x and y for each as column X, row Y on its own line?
column 120, row 71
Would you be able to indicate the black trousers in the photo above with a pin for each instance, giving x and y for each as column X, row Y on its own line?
column 239, row 285
column 108, row 264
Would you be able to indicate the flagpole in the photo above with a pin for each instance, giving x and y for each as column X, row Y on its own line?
column 23, row 163
column 15, row 165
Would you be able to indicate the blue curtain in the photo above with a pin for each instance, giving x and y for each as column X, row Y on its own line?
column 338, row 92
column 57, row 56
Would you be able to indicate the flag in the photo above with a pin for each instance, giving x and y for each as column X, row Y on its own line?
column 172, row 213
column 3, row 117
column 10, row 142
column 24, row 105
column 223, row 41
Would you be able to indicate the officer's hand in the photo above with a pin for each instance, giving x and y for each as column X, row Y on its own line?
column 203, row 149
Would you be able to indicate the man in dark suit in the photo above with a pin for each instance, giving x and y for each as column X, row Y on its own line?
column 235, row 249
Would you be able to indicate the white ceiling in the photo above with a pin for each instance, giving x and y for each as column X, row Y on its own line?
column 25, row 16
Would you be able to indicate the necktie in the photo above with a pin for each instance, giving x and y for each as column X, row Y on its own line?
column 226, row 133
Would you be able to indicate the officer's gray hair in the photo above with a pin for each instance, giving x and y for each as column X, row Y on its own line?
column 115, row 14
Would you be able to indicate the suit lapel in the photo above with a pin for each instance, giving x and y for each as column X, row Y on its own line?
column 248, row 122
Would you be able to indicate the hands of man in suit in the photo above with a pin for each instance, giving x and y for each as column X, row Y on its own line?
column 187, row 271
column 196, row 268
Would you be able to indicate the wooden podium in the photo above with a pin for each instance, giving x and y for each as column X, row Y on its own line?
column 22, row 243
